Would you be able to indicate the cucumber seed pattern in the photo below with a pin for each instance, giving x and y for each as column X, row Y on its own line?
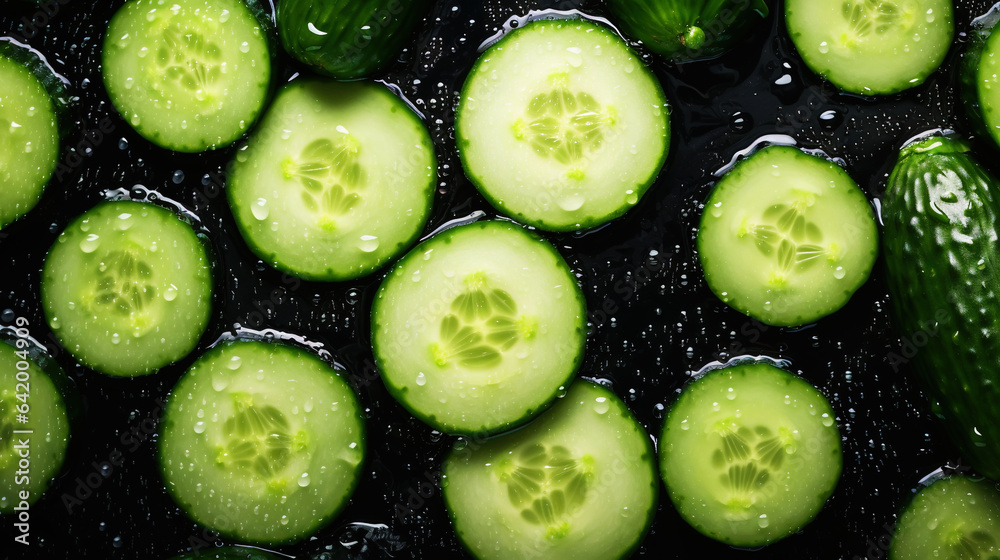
column 564, row 125
column 125, row 286
column 330, row 174
column 547, row 485
column 789, row 239
column 482, row 324
column 187, row 56
column 746, row 458
column 870, row 16
column 976, row 545
column 261, row 440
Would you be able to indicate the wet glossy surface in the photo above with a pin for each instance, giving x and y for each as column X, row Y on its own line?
column 654, row 320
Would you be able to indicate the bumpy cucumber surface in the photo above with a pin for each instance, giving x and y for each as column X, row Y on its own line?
column 787, row 237
column 347, row 39
column 561, row 126
column 577, row 483
column 25, row 390
column 953, row 518
column 262, row 442
column 750, row 453
column 871, row 47
column 338, row 180
column 686, row 30
column 127, row 288
column 189, row 75
column 942, row 223
column 477, row 329
column 29, row 135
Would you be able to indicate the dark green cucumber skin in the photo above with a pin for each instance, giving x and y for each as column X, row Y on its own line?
column 347, row 51
column 969, row 70
column 671, row 27
column 942, row 225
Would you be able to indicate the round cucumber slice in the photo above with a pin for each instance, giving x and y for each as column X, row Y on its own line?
column 787, row 237
column 981, row 78
column 127, row 288
column 579, row 482
column 338, row 180
column 749, row 454
column 188, row 75
column 476, row 329
column 561, row 126
column 29, row 139
column 953, row 518
column 262, row 442
column 25, row 387
column 871, row 47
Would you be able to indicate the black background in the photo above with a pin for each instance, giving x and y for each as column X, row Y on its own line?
column 653, row 320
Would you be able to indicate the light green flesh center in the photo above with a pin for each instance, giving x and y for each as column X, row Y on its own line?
column 789, row 241
column 6, row 428
column 547, row 484
column 564, row 125
column 868, row 17
column 187, row 58
column 259, row 441
column 330, row 175
column 482, row 325
column 976, row 545
column 125, row 288
column 744, row 458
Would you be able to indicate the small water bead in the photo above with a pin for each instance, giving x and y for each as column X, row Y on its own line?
column 7, row 315
column 178, row 177
column 839, row 273
column 170, row 294
column 220, row 382
column 115, row 338
column 824, row 47
column 369, row 243
column 123, row 144
column 260, row 209
column 199, row 427
column 826, row 420
column 245, row 47
column 90, row 243
column 234, row 363
column 631, row 197
column 601, row 405
column 762, row 521
column 304, row 480
column 929, row 16
column 421, row 379
column 224, row 16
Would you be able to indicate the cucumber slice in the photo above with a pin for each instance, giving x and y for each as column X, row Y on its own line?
column 579, row 482
column 561, row 126
column 980, row 81
column 29, row 137
column 749, row 454
column 871, row 47
column 476, row 329
column 188, row 75
column 127, row 288
column 262, row 442
column 338, row 180
column 952, row 518
column 25, row 387
column 787, row 237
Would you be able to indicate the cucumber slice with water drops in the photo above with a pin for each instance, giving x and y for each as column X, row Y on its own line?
column 871, row 47
column 561, row 126
column 953, row 518
column 338, row 180
column 577, row 483
column 262, row 442
column 127, row 288
column 476, row 329
column 188, row 75
column 787, row 237
column 26, row 391
column 29, row 134
column 979, row 71
column 749, row 454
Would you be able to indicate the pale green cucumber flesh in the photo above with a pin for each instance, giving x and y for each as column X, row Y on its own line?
column 127, row 288
column 338, row 180
column 478, row 328
column 262, row 442
column 787, row 237
column 577, row 483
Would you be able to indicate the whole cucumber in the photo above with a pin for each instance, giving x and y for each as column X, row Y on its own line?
column 942, row 226
column 347, row 39
column 686, row 30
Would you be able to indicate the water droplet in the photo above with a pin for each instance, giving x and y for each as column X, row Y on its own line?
column 762, row 521
column 54, row 323
column 199, row 427
column 234, row 363
column 259, row 209
column 824, row 47
column 171, row 293
column 601, row 405
column 826, row 420
column 224, row 16
column 245, row 48
column 929, row 16
column 571, row 203
column 7, row 316
column 421, row 379
column 304, row 480
column 115, row 338
column 731, row 394
column 90, row 243
column 178, row 177
column 284, row 518
column 631, row 197
column 369, row 243
column 220, row 382
column 574, row 57
column 839, row 273
column 129, row 82
column 716, row 210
